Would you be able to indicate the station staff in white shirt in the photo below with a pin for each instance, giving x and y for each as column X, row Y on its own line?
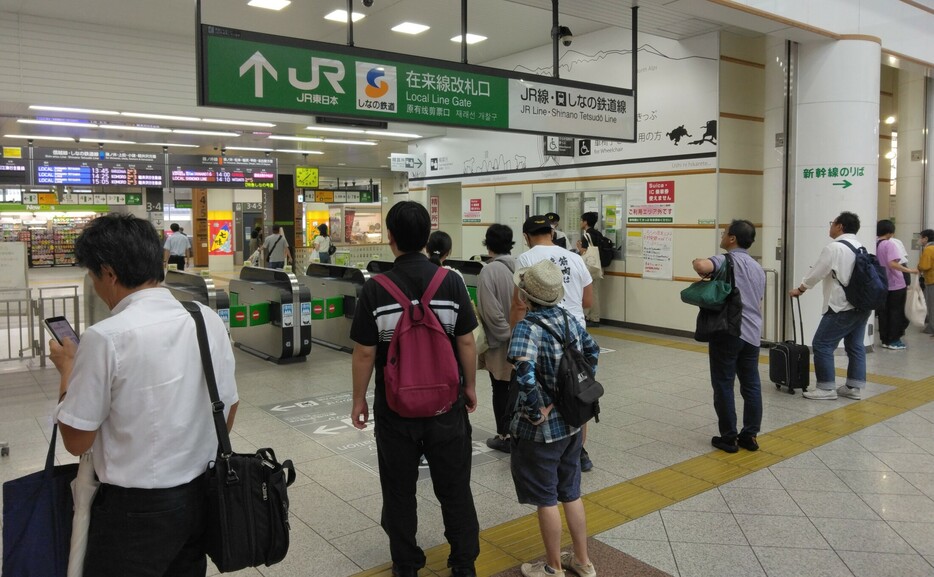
column 177, row 248
column 133, row 392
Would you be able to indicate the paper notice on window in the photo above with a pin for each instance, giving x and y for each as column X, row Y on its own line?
column 657, row 248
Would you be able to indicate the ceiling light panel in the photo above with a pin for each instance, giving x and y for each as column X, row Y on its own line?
column 295, row 138
column 269, row 4
column 341, row 16
column 76, row 110
column 78, row 123
column 169, row 144
column 161, row 116
column 105, row 141
column 296, row 151
column 397, row 134
column 359, row 142
column 315, row 128
column 250, row 148
column 238, row 122
column 204, row 132
column 410, row 28
column 134, row 128
column 36, row 137
column 471, row 38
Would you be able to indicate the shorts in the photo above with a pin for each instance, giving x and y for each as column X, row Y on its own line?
column 547, row 473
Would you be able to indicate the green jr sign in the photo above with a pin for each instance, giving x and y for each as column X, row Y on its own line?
column 247, row 70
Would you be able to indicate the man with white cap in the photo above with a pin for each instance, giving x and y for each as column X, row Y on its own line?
column 546, row 450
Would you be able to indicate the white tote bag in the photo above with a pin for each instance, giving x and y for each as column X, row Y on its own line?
column 83, row 489
column 591, row 258
column 915, row 307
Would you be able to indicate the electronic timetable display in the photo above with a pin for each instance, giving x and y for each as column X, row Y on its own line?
column 98, row 168
column 197, row 171
column 14, row 166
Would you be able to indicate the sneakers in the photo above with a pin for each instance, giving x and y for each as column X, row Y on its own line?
column 499, row 443
column 849, row 392
column 586, row 463
column 728, row 445
column 569, row 562
column 540, row 569
column 748, row 442
column 895, row 346
column 820, row 394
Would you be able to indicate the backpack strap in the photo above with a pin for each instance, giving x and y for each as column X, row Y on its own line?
column 833, row 273
column 434, row 285
column 393, row 289
column 565, row 342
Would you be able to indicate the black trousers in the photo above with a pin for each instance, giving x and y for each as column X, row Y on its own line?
column 148, row 532
column 445, row 442
column 892, row 319
column 500, row 405
column 178, row 260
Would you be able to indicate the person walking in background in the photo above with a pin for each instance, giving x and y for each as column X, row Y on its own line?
column 256, row 245
column 892, row 319
column 545, row 449
column 840, row 319
column 494, row 297
column 133, row 391
column 733, row 356
column 177, row 248
column 558, row 238
column 322, row 244
column 578, row 285
column 591, row 239
column 926, row 267
column 444, row 439
column 276, row 249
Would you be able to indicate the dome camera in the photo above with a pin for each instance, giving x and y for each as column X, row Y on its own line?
column 565, row 35
column 368, row 3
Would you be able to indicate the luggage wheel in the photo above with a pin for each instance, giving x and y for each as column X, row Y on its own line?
column 4, row 449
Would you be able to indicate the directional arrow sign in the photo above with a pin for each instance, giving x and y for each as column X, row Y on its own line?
column 281, row 408
column 325, row 430
column 845, row 184
column 258, row 63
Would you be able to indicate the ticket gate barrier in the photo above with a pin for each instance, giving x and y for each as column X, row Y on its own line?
column 470, row 269
column 334, row 292
column 379, row 266
column 270, row 315
column 186, row 286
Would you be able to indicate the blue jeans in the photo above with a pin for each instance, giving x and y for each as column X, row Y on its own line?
column 732, row 357
column 847, row 325
column 324, row 257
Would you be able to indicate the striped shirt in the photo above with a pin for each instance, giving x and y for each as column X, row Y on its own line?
column 377, row 312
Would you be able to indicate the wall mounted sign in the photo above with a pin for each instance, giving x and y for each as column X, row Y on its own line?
column 13, row 166
column 52, row 166
column 198, row 171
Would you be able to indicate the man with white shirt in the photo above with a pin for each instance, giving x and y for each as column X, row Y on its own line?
column 840, row 320
column 133, row 390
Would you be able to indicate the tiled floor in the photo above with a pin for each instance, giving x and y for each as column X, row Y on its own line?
column 860, row 505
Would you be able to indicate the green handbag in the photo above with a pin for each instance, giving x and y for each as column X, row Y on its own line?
column 712, row 291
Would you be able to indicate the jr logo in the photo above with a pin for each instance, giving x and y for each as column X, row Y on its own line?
column 333, row 71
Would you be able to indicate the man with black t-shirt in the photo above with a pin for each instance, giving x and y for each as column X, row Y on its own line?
column 444, row 439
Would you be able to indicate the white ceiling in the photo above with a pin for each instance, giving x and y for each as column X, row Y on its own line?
column 510, row 25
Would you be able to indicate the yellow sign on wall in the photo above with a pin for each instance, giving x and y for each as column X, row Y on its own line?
column 306, row 177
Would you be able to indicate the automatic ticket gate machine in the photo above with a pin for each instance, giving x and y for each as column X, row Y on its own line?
column 270, row 315
column 186, row 286
column 379, row 266
column 471, row 271
column 334, row 292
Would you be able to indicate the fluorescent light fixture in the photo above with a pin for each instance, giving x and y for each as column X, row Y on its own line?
column 315, row 128
column 204, row 132
column 410, row 28
column 269, row 4
column 81, row 190
column 890, row 120
column 81, row 123
column 295, row 138
column 398, row 134
column 237, row 122
column 105, row 141
column 296, row 151
column 170, row 144
column 360, row 142
column 250, row 148
column 341, row 16
column 161, row 116
column 134, row 128
column 77, row 110
column 32, row 137
column 890, row 154
column 471, row 38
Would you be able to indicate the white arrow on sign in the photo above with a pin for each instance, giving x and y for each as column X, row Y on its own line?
column 258, row 63
column 325, row 430
column 281, row 409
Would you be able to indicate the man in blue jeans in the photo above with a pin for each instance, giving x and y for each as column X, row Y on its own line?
column 841, row 320
column 733, row 355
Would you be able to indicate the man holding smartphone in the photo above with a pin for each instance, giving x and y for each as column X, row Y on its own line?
column 133, row 391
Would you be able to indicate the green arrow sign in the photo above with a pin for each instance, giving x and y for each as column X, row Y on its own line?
column 845, row 184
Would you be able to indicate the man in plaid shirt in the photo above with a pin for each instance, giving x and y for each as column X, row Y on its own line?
column 545, row 459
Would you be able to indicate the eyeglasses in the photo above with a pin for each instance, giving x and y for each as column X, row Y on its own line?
column 833, row 222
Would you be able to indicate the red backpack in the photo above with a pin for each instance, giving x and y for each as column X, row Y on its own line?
column 421, row 375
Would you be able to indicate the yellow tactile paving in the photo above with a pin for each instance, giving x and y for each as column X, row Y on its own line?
column 510, row 543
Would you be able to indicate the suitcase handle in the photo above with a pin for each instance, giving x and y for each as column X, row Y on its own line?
column 794, row 333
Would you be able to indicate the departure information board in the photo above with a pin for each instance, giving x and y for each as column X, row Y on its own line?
column 13, row 165
column 196, row 171
column 98, row 168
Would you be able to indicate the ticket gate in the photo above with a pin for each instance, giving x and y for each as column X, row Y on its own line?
column 471, row 271
column 270, row 315
column 379, row 266
column 334, row 292
column 186, row 286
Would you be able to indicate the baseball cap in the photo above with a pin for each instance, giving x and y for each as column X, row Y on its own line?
column 537, row 223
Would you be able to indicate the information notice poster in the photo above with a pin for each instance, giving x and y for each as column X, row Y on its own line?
column 657, row 252
column 220, row 229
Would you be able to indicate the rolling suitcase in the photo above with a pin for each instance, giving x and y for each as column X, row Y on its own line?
column 790, row 362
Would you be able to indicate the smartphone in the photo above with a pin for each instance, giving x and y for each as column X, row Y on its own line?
column 61, row 329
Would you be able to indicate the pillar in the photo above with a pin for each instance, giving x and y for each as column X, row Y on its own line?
column 836, row 163
column 909, row 181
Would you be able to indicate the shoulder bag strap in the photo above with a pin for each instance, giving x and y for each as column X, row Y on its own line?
column 434, row 285
column 393, row 289
column 550, row 330
column 275, row 244
column 833, row 273
column 217, row 406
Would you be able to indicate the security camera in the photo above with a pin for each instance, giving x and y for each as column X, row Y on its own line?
column 567, row 40
column 368, row 3
column 564, row 35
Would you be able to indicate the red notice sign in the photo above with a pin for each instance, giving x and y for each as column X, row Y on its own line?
column 475, row 204
column 661, row 192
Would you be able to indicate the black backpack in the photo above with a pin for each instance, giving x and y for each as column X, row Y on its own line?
column 607, row 251
column 869, row 285
column 577, row 392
